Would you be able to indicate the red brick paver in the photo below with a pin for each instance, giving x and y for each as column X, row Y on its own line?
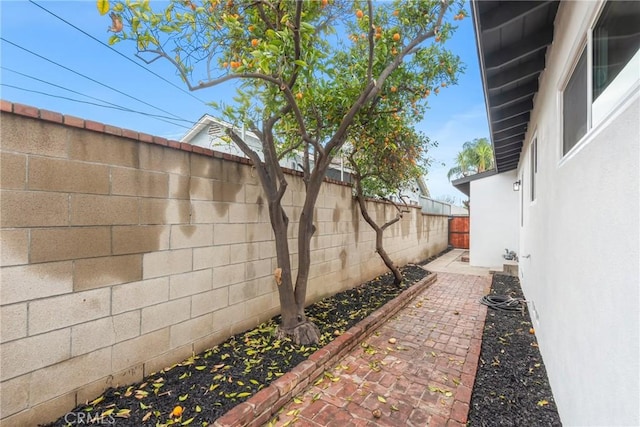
column 424, row 378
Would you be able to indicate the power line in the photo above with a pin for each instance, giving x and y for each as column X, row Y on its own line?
column 102, row 102
column 167, row 120
column 90, row 79
column 116, row 51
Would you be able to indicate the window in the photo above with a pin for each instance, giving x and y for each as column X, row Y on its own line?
column 608, row 68
column 616, row 38
column 534, row 167
column 574, row 101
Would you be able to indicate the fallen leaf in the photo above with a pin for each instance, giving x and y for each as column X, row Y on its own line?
column 146, row 416
column 543, row 402
column 382, row 399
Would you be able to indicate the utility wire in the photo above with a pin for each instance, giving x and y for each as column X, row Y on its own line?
column 116, row 107
column 118, row 52
column 89, row 78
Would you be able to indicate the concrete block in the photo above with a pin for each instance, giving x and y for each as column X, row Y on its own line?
column 132, row 296
column 104, row 332
column 259, row 305
column 211, row 256
column 191, row 283
column 27, row 282
column 206, row 167
column 208, row 302
column 179, row 186
column 13, row 171
column 243, row 252
column 33, row 353
column 231, row 192
column 225, row 317
column 228, row 275
column 190, row 330
column 165, row 314
column 47, row 174
column 257, row 269
column 45, row 209
column 163, row 159
column 103, row 210
column 55, row 244
column 228, row 234
column 164, row 263
column 259, row 232
column 241, row 292
column 102, row 148
column 90, row 391
column 14, row 247
column 69, row 375
column 129, row 353
column 14, row 395
column 94, row 273
column 129, row 239
column 169, row 358
column 67, row 310
column 13, row 322
column 204, row 189
column 41, row 414
column 209, row 212
column 243, row 213
column 162, row 211
column 191, row 236
column 134, row 182
column 33, row 136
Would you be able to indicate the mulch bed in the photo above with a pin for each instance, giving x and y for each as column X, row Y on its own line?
column 511, row 387
column 202, row 388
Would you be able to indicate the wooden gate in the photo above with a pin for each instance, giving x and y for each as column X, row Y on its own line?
column 459, row 232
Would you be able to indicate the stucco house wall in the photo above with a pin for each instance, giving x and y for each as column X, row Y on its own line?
column 579, row 244
column 493, row 219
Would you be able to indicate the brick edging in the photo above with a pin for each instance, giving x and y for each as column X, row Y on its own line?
column 259, row 408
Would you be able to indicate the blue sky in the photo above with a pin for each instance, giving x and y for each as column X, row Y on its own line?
column 456, row 115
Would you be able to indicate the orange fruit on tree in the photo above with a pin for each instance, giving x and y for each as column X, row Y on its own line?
column 251, row 28
column 396, row 12
column 225, row 64
column 438, row 39
column 396, row 37
column 394, row 89
column 255, row 42
column 443, row 84
column 299, row 95
column 427, row 92
column 325, row 2
column 359, row 13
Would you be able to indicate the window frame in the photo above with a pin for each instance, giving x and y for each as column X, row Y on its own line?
column 533, row 166
column 586, row 42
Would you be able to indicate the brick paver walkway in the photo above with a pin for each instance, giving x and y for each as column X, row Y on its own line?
column 417, row 369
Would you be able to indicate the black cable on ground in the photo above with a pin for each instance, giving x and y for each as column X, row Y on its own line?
column 503, row 302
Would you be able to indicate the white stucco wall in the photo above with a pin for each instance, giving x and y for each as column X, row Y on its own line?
column 493, row 218
column 582, row 235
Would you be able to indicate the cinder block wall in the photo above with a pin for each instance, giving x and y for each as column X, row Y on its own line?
column 123, row 253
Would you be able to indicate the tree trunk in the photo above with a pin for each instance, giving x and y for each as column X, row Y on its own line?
column 379, row 233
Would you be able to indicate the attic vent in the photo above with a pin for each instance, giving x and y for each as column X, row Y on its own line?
column 215, row 130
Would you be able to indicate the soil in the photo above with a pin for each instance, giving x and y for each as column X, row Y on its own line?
column 202, row 388
column 511, row 387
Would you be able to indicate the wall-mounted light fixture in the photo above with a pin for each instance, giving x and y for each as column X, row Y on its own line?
column 516, row 185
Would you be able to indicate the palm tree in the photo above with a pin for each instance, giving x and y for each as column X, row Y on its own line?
column 476, row 156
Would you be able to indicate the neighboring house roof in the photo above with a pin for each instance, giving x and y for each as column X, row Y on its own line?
column 512, row 39
column 464, row 184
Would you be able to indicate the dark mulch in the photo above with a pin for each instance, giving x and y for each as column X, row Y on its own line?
column 207, row 385
column 511, row 387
